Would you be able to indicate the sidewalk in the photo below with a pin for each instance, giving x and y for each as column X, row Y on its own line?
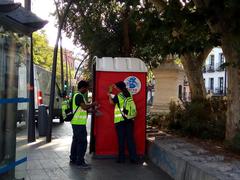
column 185, row 161
column 51, row 161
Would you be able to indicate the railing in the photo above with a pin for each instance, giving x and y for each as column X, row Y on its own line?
column 210, row 68
column 220, row 67
column 219, row 91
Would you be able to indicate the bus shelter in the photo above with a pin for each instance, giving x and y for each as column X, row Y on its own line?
column 16, row 26
column 109, row 71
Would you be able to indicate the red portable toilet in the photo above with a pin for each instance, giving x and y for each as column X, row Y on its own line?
column 108, row 71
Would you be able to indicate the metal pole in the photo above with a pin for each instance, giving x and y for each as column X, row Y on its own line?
column 66, row 60
column 70, row 74
column 52, row 92
column 62, row 71
column 61, row 50
column 225, row 81
column 27, row 4
column 31, row 109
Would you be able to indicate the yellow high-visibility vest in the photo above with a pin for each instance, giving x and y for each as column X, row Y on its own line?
column 117, row 113
column 80, row 117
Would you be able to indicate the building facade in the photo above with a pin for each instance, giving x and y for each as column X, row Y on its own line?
column 214, row 73
column 68, row 56
column 170, row 85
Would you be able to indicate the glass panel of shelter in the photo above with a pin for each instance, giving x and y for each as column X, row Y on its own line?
column 14, row 52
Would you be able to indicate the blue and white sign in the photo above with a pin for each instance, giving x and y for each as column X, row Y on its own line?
column 133, row 84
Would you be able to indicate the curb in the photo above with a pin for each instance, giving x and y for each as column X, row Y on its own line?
column 184, row 161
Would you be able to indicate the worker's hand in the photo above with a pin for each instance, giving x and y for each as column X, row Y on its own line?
column 110, row 88
column 94, row 104
column 111, row 95
column 98, row 113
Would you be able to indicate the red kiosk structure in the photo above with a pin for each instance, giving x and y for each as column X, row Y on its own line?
column 108, row 71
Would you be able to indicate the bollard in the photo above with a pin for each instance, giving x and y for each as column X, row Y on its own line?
column 42, row 120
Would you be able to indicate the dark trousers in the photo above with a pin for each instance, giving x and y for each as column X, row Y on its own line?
column 125, row 133
column 79, row 143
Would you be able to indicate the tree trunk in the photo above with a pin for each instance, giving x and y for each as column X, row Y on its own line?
column 230, row 46
column 193, row 69
column 233, row 92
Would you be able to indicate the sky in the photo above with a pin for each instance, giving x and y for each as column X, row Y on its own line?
column 43, row 9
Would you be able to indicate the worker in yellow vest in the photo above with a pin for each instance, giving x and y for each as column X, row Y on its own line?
column 124, row 120
column 79, row 121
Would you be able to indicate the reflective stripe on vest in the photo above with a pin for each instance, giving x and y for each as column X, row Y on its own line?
column 80, row 117
column 117, row 113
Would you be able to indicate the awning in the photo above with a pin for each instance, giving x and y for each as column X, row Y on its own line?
column 19, row 19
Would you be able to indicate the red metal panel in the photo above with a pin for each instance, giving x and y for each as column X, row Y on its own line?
column 104, row 130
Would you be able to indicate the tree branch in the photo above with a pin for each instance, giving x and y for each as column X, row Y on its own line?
column 85, row 57
column 200, row 3
column 159, row 4
column 202, row 56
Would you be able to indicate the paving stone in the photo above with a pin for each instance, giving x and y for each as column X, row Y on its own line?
column 35, row 156
column 201, row 151
column 34, row 164
column 48, row 164
column 50, row 155
column 36, row 172
column 187, row 153
column 27, row 177
column 39, row 177
column 173, row 146
column 56, row 173
column 225, row 168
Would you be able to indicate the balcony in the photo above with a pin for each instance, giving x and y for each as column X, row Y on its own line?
column 220, row 67
column 209, row 90
column 210, row 68
column 185, row 83
column 216, row 92
column 204, row 69
column 219, row 91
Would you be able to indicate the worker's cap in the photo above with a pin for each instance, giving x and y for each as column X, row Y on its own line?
column 120, row 85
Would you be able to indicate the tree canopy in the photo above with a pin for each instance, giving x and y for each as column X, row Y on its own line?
column 186, row 28
column 43, row 53
column 100, row 27
column 109, row 28
column 131, row 28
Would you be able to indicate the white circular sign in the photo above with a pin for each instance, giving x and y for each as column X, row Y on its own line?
column 133, row 84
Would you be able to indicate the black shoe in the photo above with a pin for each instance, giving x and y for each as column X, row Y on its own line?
column 83, row 166
column 72, row 162
column 120, row 161
column 133, row 161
